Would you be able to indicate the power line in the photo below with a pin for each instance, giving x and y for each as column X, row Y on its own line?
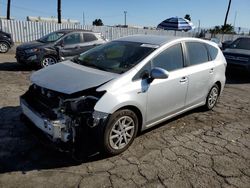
column 27, row 9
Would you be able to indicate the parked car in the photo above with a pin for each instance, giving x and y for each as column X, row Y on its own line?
column 6, row 42
column 110, row 93
column 226, row 43
column 217, row 41
column 237, row 54
column 56, row 46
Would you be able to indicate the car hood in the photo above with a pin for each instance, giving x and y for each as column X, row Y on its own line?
column 236, row 51
column 33, row 44
column 68, row 77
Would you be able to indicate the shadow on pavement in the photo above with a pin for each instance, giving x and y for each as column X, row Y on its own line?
column 21, row 151
column 14, row 66
column 237, row 76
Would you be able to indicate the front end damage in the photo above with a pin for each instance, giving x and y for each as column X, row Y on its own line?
column 69, row 121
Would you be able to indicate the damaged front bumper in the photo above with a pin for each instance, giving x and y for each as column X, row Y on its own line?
column 56, row 129
column 75, row 132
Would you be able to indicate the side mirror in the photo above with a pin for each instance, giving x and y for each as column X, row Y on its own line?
column 60, row 43
column 159, row 73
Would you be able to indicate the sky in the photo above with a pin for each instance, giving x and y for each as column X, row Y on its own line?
column 139, row 12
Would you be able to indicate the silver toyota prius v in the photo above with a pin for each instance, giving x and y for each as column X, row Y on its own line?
column 104, row 97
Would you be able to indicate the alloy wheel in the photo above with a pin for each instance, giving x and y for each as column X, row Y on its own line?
column 4, row 47
column 213, row 96
column 122, row 132
column 47, row 61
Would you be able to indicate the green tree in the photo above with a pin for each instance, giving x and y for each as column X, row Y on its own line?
column 228, row 8
column 59, row 11
column 187, row 17
column 97, row 22
column 8, row 9
column 227, row 29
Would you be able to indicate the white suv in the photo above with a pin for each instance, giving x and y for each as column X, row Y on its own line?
column 110, row 93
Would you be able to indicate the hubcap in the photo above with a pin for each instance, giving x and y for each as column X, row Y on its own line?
column 3, row 47
column 48, row 61
column 122, row 132
column 213, row 97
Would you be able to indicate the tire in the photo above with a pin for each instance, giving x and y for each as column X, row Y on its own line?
column 47, row 61
column 212, row 97
column 4, row 47
column 117, row 137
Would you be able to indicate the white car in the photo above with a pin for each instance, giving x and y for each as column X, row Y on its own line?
column 110, row 93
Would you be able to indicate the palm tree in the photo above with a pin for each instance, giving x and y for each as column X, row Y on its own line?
column 59, row 11
column 228, row 8
column 8, row 9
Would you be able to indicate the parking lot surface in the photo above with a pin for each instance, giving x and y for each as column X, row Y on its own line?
column 197, row 149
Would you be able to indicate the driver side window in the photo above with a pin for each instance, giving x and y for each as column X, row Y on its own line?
column 72, row 39
column 171, row 59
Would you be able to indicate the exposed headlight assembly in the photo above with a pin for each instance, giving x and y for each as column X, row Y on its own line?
column 79, row 105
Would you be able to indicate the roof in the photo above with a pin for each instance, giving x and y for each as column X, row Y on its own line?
column 72, row 30
column 149, row 39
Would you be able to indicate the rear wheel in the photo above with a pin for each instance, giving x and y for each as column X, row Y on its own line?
column 47, row 61
column 212, row 97
column 4, row 47
column 120, row 132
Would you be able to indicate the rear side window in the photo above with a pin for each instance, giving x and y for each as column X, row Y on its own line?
column 213, row 52
column 170, row 59
column 88, row 37
column 74, row 38
column 197, row 53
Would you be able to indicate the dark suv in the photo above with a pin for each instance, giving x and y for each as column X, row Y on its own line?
column 237, row 54
column 56, row 46
column 6, row 42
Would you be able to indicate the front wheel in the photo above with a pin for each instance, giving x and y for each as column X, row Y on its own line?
column 4, row 47
column 47, row 61
column 120, row 132
column 212, row 97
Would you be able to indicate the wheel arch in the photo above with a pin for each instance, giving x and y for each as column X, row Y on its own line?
column 6, row 42
column 218, row 83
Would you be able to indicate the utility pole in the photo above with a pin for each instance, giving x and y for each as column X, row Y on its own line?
column 228, row 8
column 235, row 18
column 8, row 9
column 125, row 18
column 83, row 18
column 199, row 26
column 59, row 11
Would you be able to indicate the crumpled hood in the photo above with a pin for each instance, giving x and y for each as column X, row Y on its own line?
column 68, row 77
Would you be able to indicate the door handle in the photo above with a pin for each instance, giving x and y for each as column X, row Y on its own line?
column 183, row 79
column 211, row 70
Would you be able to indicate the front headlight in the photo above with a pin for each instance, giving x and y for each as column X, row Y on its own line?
column 32, row 50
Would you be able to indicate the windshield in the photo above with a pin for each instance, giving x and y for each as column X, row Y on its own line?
column 117, row 56
column 242, row 43
column 51, row 37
